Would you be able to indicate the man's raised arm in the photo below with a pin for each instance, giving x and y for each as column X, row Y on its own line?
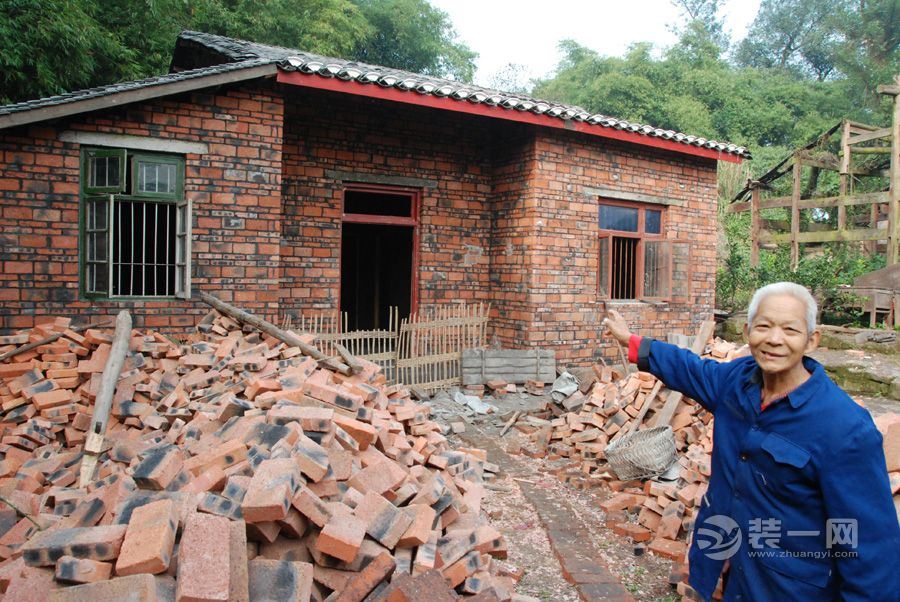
column 679, row 369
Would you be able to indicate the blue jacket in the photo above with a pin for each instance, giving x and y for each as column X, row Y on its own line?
column 787, row 485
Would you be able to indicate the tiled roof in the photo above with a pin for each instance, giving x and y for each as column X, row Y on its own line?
column 329, row 67
column 237, row 55
column 169, row 78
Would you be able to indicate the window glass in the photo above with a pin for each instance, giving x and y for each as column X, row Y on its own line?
column 652, row 221
column 104, row 172
column 614, row 217
column 377, row 203
column 156, row 177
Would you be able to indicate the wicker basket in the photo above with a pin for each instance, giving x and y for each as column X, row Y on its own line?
column 642, row 454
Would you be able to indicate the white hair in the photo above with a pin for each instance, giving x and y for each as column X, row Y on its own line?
column 785, row 288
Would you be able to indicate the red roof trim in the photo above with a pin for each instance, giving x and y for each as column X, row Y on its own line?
column 425, row 100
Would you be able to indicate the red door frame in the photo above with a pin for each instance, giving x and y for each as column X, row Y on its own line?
column 390, row 220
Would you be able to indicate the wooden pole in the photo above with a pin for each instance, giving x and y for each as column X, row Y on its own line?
column 795, row 212
column 845, row 174
column 355, row 365
column 93, row 444
column 284, row 336
column 510, row 422
column 893, row 209
column 754, row 224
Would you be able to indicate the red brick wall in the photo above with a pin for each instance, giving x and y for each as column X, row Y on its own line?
column 512, row 225
column 563, row 290
column 236, row 192
column 327, row 134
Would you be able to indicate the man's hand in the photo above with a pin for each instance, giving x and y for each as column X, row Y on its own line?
column 616, row 327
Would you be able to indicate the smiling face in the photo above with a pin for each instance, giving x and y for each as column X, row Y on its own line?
column 778, row 337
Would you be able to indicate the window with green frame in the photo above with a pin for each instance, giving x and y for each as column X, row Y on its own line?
column 135, row 225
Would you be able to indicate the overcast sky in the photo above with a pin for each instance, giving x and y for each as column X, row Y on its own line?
column 527, row 32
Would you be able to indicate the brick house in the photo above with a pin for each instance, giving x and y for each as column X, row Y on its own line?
column 287, row 182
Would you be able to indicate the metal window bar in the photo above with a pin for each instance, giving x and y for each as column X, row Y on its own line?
column 140, row 242
column 155, row 246
column 167, row 268
column 143, row 243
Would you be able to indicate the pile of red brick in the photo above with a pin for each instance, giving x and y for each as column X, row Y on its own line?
column 234, row 468
column 604, row 409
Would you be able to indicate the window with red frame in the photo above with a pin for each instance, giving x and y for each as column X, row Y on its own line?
column 636, row 260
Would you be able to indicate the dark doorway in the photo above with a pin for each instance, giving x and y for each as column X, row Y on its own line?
column 377, row 255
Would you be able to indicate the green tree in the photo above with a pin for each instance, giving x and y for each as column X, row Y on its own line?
column 329, row 27
column 793, row 34
column 51, row 46
column 415, row 36
column 869, row 56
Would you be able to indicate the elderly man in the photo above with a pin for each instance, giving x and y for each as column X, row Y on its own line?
column 799, row 502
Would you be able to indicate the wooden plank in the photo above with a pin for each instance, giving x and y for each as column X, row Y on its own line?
column 864, row 127
column 882, row 133
column 873, row 150
column 469, row 378
column 479, row 379
column 500, row 361
column 545, row 366
column 829, row 201
column 829, row 236
column 536, row 367
column 509, row 353
column 838, row 201
column 830, row 163
column 664, row 416
column 507, row 364
column 511, row 365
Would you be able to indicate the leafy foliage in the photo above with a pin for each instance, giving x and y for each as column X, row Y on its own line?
column 413, row 35
column 81, row 48
column 52, row 46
